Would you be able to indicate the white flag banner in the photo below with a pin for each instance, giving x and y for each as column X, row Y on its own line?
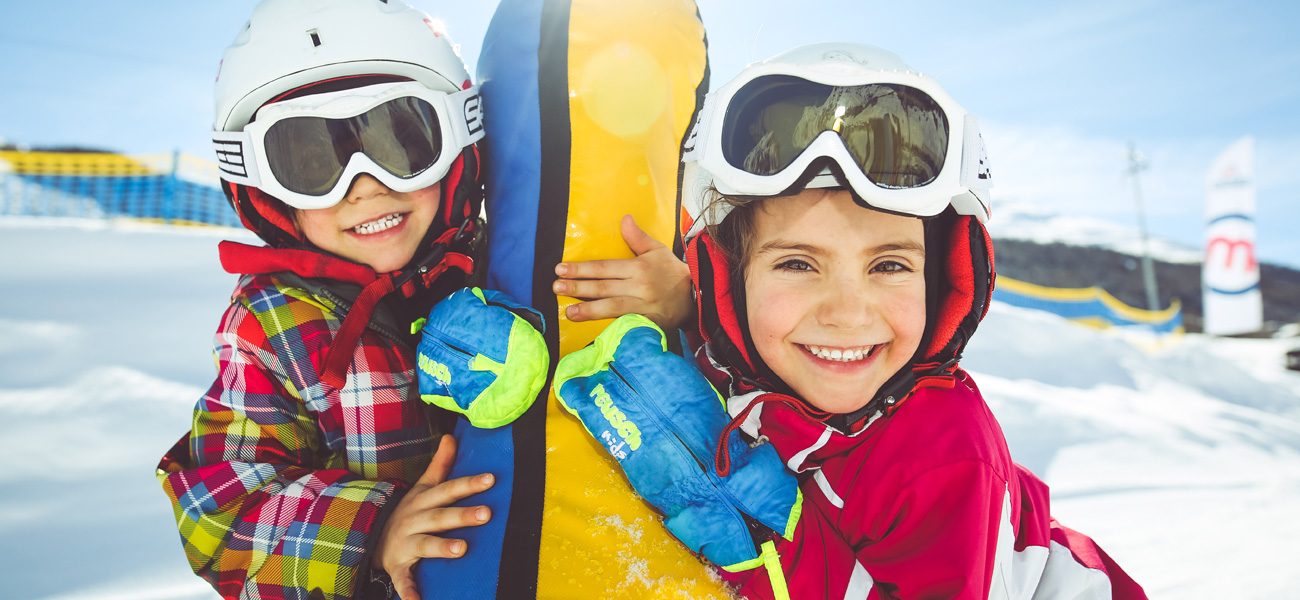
column 1230, row 273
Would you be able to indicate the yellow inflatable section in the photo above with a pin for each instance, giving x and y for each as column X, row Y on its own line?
column 598, row 538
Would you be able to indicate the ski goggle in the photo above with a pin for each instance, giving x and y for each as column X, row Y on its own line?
column 307, row 151
column 899, row 142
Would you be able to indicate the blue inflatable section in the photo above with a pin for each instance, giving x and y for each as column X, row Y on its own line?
column 507, row 74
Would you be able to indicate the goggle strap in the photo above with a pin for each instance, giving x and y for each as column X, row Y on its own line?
column 975, row 172
column 690, row 150
column 976, row 176
column 466, row 116
column 235, row 157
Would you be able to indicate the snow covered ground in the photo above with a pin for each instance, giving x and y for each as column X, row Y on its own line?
column 1182, row 460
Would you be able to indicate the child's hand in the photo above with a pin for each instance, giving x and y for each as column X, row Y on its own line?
column 670, row 454
column 425, row 510
column 655, row 283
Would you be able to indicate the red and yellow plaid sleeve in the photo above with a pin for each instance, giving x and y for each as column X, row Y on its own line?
column 281, row 480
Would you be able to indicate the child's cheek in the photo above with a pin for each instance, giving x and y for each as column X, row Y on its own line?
column 905, row 312
column 430, row 197
column 774, row 311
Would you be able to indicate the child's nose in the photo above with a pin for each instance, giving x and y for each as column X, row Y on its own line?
column 364, row 187
column 844, row 304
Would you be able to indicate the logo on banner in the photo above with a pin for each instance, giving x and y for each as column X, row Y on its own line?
column 1236, row 254
column 1230, row 263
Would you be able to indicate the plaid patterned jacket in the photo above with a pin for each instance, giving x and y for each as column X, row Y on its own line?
column 282, row 479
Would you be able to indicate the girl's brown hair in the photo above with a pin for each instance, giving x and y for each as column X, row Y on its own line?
column 735, row 234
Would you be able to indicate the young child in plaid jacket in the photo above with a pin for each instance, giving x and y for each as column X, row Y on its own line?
column 346, row 134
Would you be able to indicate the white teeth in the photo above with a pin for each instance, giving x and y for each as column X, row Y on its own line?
column 841, row 354
column 380, row 224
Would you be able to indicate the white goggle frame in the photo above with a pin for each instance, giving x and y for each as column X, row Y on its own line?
column 241, row 154
column 963, row 182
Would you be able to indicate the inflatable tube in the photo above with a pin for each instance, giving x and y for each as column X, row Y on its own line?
column 587, row 103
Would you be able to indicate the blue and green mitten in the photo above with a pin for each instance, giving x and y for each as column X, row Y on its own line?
column 482, row 355
column 661, row 419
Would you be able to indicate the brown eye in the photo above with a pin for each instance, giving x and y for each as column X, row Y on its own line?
column 793, row 264
column 891, row 266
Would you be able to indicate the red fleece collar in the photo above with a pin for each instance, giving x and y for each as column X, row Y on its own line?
column 243, row 259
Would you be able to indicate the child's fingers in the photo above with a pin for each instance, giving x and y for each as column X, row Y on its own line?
column 637, row 239
column 432, row 546
column 421, row 546
column 440, row 466
column 599, row 288
column 605, row 308
column 447, row 519
column 619, row 268
column 451, row 491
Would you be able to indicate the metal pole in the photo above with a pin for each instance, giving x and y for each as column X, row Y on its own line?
column 1135, row 166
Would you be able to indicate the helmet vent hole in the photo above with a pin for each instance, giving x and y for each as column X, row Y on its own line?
column 315, row 37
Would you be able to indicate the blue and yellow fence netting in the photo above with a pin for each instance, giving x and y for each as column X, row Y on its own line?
column 168, row 188
column 1090, row 306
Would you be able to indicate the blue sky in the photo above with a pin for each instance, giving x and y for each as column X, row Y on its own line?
column 1061, row 88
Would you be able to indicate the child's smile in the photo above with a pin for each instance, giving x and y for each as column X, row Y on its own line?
column 380, row 225
column 373, row 225
column 842, row 360
column 846, row 355
column 835, row 295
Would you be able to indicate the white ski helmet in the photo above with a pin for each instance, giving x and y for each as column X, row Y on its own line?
column 288, row 45
column 291, row 43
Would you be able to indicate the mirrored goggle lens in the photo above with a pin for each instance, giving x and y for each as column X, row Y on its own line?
column 307, row 155
column 896, row 134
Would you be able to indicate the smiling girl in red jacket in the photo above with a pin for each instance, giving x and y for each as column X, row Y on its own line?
column 842, row 263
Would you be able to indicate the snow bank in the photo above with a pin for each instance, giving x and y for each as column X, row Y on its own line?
column 1182, row 460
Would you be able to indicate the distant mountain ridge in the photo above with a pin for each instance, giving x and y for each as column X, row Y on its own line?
column 1035, row 245
column 1060, row 264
